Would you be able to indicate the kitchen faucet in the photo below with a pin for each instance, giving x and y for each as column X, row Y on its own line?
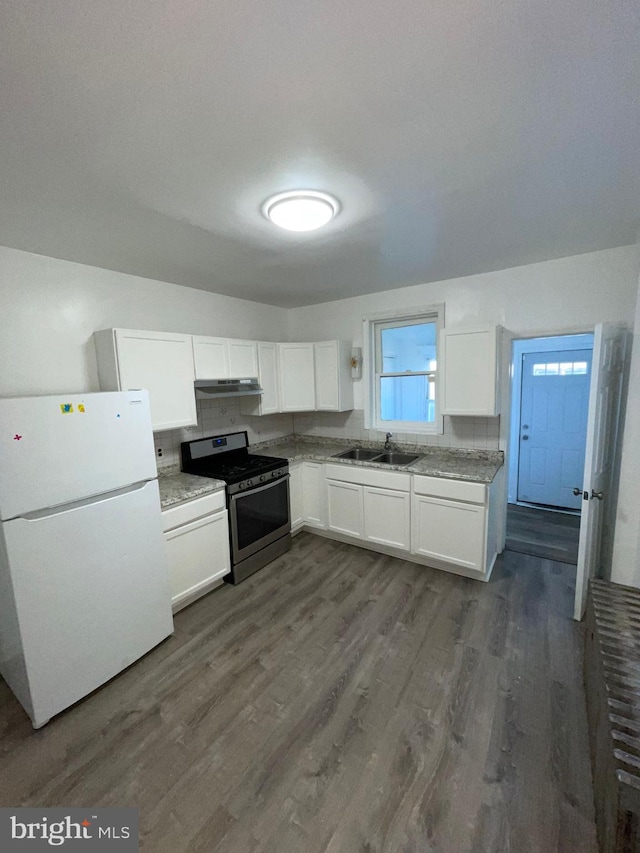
column 387, row 441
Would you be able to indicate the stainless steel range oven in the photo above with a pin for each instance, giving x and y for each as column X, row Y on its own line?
column 257, row 498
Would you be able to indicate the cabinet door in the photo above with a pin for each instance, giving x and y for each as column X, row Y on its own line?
column 211, row 358
column 198, row 555
column 387, row 517
column 345, row 508
column 297, row 377
column 296, row 496
column 243, row 359
column 163, row 364
column 268, row 375
column 449, row 531
column 313, row 495
column 470, row 370
column 326, row 368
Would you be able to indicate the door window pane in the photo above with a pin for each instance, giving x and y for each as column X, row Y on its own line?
column 565, row 368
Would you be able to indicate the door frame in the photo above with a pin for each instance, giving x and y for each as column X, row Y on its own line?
column 520, row 346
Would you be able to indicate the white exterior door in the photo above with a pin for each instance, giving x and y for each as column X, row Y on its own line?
column 602, row 436
column 553, row 426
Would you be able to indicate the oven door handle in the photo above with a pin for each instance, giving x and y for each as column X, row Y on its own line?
column 255, row 489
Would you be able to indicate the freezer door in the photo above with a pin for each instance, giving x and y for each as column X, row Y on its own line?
column 91, row 595
column 64, row 448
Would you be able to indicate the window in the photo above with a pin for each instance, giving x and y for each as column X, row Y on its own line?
column 403, row 373
column 564, row 368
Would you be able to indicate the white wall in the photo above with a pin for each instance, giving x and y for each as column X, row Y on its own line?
column 626, row 546
column 49, row 310
column 569, row 294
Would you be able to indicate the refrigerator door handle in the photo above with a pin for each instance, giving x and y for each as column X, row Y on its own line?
column 72, row 505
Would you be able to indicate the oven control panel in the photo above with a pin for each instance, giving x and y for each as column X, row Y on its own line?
column 259, row 480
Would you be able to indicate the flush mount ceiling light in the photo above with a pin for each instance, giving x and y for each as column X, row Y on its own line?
column 301, row 210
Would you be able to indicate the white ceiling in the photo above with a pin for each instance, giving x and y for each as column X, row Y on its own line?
column 461, row 136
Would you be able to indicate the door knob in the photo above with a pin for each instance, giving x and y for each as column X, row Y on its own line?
column 598, row 495
column 577, row 491
column 525, row 438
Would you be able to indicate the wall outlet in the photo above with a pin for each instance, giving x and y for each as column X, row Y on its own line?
column 159, row 451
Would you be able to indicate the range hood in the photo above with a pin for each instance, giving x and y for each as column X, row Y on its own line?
column 209, row 389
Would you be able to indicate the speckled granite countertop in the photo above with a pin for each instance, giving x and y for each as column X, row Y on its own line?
column 176, row 487
column 479, row 466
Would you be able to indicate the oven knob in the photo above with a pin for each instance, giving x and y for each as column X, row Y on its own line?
column 262, row 478
column 274, row 474
column 249, row 483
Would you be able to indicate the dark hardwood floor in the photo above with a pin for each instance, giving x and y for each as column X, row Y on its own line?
column 540, row 533
column 338, row 701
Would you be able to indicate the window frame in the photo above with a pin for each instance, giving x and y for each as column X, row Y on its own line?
column 372, row 356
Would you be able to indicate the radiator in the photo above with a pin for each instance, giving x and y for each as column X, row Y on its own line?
column 612, row 682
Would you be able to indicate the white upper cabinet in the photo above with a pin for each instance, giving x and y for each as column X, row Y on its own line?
column 297, row 377
column 267, row 403
column 243, row 359
column 224, row 358
column 469, row 371
column 161, row 362
column 211, row 358
column 334, row 386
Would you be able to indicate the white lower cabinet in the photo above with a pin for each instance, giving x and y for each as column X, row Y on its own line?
column 197, row 544
column 345, row 508
column 314, row 507
column 387, row 517
column 447, row 524
column 296, row 496
column 449, row 531
column 453, row 522
column 370, row 504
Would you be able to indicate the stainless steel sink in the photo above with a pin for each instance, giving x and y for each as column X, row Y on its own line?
column 359, row 453
column 393, row 457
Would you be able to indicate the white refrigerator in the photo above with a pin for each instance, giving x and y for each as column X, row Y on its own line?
column 84, row 581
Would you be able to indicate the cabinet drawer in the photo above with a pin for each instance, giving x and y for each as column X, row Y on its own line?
column 191, row 510
column 369, row 477
column 456, row 490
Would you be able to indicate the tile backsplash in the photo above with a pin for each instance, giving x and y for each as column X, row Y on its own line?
column 473, row 433
column 216, row 417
